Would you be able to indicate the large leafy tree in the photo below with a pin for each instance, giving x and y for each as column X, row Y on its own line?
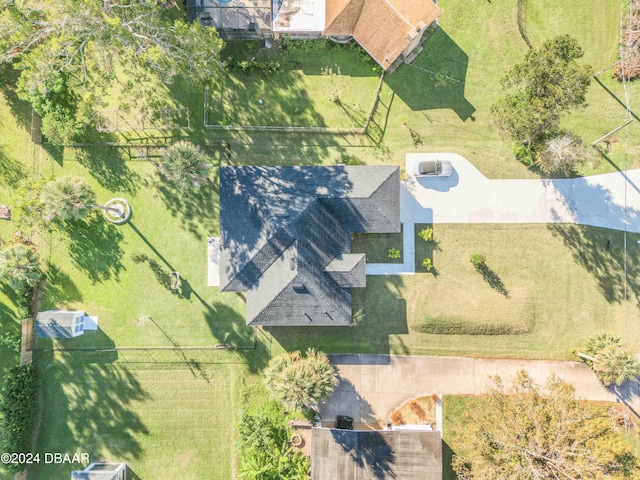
column 299, row 380
column 66, row 198
column 70, row 51
column 545, row 84
column 606, row 355
column 525, row 432
column 20, row 265
column 185, row 165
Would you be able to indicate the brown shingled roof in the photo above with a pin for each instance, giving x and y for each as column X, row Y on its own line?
column 380, row 26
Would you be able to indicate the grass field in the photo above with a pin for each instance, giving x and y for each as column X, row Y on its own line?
column 312, row 87
column 161, row 420
column 547, row 290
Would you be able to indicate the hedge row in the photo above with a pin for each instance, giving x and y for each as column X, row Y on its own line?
column 17, row 407
column 443, row 326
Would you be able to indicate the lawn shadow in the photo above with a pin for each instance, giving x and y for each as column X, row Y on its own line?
column 11, row 171
column 89, row 405
column 447, row 459
column 194, row 209
column 109, row 167
column 435, row 79
column 232, row 333
column 601, row 252
column 59, row 289
column 493, row 279
column 20, row 109
column 94, row 247
column 383, row 313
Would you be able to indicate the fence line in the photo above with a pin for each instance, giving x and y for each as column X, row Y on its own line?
column 521, row 20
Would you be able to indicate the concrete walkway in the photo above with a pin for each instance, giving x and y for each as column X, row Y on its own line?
column 372, row 386
column 610, row 201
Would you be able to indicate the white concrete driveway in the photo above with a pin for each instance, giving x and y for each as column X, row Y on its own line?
column 611, row 200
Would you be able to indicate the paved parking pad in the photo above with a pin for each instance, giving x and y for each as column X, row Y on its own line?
column 372, row 386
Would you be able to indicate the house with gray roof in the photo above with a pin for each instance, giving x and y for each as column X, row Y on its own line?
column 376, row 454
column 101, row 471
column 63, row 324
column 286, row 237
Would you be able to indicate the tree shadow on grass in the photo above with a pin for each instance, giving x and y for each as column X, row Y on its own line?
column 20, row 109
column 89, row 407
column 59, row 289
column 435, row 79
column 195, row 209
column 94, row 247
column 383, row 313
column 11, row 171
column 230, row 329
column 602, row 253
column 492, row 278
column 109, row 167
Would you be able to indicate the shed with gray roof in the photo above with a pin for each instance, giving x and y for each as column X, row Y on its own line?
column 286, row 237
column 101, row 471
column 63, row 324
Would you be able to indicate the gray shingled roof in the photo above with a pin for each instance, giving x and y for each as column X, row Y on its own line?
column 375, row 454
column 56, row 323
column 285, row 237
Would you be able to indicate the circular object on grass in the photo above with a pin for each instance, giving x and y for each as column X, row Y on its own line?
column 117, row 210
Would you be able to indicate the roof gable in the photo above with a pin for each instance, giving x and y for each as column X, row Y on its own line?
column 281, row 227
column 381, row 27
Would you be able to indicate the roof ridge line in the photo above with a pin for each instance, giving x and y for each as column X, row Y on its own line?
column 398, row 13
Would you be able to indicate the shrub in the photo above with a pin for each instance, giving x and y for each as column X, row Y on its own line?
column 524, row 154
column 562, row 154
column 426, row 234
column 138, row 257
column 426, row 263
column 18, row 405
column 394, row 253
column 477, row 259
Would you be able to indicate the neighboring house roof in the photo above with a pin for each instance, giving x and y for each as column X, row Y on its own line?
column 56, row 323
column 384, row 28
column 375, row 454
column 286, row 234
column 101, row 471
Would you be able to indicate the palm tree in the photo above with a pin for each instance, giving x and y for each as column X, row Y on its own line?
column 300, row 381
column 616, row 366
column 66, row 198
column 184, row 164
column 20, row 265
column 609, row 361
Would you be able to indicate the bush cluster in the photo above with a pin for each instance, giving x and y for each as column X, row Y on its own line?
column 18, row 405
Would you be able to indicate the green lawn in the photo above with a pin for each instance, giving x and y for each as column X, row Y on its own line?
column 328, row 87
column 162, row 420
column 377, row 246
column 546, row 290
